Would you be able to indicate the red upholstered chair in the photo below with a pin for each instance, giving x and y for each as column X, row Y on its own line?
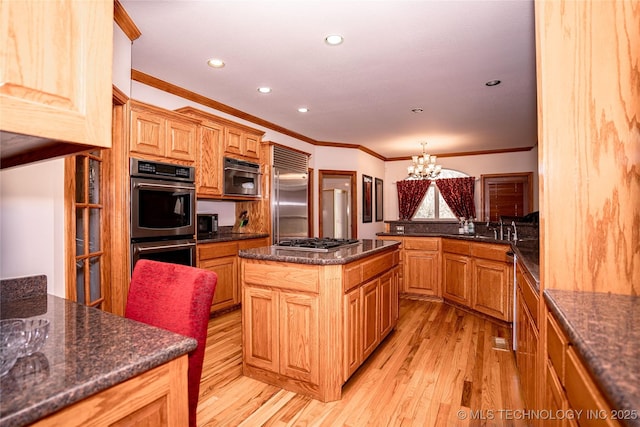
column 177, row 298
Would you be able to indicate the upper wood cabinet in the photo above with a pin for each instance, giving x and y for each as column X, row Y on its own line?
column 162, row 134
column 209, row 180
column 238, row 141
column 55, row 97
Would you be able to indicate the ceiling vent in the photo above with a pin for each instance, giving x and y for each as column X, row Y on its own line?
column 290, row 160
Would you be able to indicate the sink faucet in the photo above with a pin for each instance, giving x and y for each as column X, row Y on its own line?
column 515, row 231
column 501, row 230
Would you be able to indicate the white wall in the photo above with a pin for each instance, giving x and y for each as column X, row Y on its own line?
column 522, row 161
column 32, row 223
column 121, row 60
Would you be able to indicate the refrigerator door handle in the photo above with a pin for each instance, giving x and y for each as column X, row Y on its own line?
column 277, row 207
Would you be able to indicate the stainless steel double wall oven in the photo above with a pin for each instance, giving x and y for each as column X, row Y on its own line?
column 163, row 212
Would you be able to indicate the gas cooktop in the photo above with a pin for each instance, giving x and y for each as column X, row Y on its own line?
column 315, row 244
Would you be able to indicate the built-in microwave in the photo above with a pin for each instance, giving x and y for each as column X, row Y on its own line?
column 241, row 178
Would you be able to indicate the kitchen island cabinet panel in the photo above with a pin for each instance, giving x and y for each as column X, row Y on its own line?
column 323, row 319
column 260, row 321
column 299, row 329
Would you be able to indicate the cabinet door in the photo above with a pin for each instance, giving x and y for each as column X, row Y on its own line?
column 370, row 317
column 56, row 72
column 148, row 133
column 260, row 328
column 353, row 332
column 456, row 278
column 251, row 146
column 421, row 270
column 233, row 141
column 491, row 288
column 554, row 399
column 209, row 161
column 387, row 300
column 226, row 294
column 299, row 342
column 181, row 143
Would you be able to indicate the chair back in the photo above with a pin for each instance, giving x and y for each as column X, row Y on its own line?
column 176, row 298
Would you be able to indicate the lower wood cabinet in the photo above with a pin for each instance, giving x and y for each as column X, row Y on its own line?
column 421, row 261
column 291, row 335
column 527, row 339
column 157, row 397
column 568, row 384
column 492, row 288
column 222, row 258
column 456, row 278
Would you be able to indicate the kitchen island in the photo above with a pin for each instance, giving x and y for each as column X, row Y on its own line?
column 95, row 368
column 310, row 319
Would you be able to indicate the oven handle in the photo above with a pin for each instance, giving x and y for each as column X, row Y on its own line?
column 154, row 248
column 168, row 187
column 243, row 170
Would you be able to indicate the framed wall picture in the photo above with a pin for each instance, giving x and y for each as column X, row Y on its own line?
column 379, row 201
column 367, row 196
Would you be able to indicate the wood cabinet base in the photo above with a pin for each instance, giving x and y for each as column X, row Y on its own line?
column 156, row 398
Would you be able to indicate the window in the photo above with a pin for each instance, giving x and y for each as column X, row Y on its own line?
column 433, row 205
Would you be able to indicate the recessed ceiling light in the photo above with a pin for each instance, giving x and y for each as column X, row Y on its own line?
column 493, row 83
column 264, row 89
column 215, row 63
column 333, row 39
column 303, row 110
column 417, row 110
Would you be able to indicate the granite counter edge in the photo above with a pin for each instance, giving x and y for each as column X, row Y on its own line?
column 605, row 383
column 69, row 397
column 294, row 259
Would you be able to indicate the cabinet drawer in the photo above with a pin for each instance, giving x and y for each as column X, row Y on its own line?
column 529, row 296
column 378, row 265
column 583, row 395
column 455, row 246
column 217, row 250
column 352, row 276
column 253, row 243
column 489, row 251
column 557, row 345
column 422, row 243
column 295, row 277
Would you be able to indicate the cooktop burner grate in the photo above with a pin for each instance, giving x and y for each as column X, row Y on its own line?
column 315, row 244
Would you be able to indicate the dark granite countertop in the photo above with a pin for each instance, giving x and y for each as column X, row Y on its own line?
column 365, row 248
column 604, row 330
column 527, row 250
column 229, row 236
column 87, row 351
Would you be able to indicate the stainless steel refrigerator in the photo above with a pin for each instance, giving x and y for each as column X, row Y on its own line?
column 289, row 194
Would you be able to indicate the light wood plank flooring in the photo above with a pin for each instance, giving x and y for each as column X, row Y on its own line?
column 439, row 361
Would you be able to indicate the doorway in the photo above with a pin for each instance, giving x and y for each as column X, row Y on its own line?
column 337, row 204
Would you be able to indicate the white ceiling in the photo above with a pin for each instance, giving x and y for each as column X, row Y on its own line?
column 397, row 55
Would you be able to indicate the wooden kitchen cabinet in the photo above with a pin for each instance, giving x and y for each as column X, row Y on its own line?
column 162, row 134
column 56, row 92
column 222, row 258
column 568, row 383
column 492, row 288
column 292, row 336
column 456, row 278
column 209, row 179
column 238, row 141
column 157, row 397
column 421, row 261
column 527, row 332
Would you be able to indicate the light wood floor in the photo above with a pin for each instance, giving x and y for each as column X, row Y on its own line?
column 439, row 361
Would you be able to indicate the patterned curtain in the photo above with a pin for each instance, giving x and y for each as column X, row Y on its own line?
column 458, row 193
column 410, row 194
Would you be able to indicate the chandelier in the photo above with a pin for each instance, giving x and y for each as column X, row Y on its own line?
column 423, row 166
